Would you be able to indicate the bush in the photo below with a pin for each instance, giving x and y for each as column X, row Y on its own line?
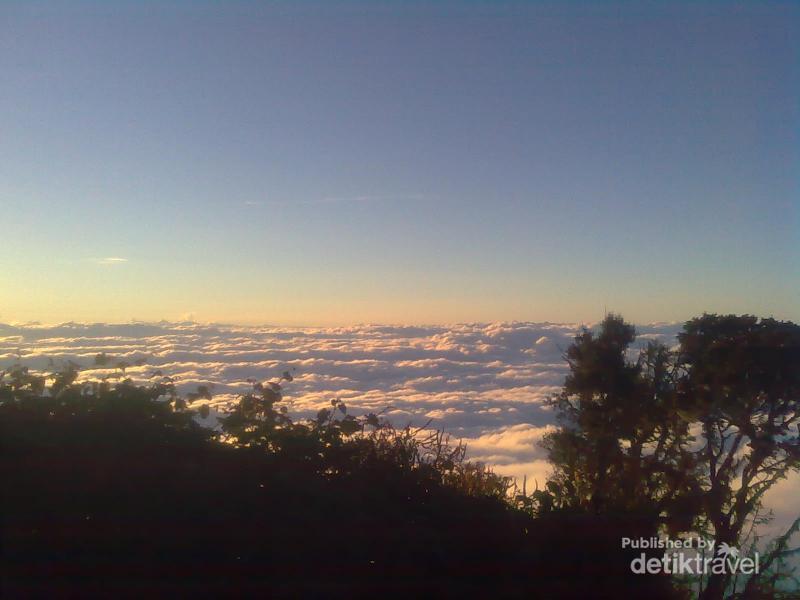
column 113, row 489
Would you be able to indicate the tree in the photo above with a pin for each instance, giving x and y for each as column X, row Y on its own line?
column 691, row 439
column 741, row 381
column 621, row 444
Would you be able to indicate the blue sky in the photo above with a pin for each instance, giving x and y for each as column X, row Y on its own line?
column 334, row 163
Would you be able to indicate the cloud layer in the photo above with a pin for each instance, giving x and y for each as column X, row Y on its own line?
column 484, row 383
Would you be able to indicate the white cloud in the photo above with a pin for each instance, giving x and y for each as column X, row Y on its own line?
column 111, row 260
column 474, row 380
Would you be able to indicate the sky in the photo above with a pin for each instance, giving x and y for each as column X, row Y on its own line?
column 335, row 163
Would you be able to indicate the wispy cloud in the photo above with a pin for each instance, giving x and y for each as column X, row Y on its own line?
column 366, row 198
column 338, row 200
column 111, row 260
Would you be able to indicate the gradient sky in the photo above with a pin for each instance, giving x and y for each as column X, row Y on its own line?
column 307, row 163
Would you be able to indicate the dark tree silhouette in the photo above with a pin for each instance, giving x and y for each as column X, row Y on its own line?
column 741, row 378
column 624, row 445
column 621, row 444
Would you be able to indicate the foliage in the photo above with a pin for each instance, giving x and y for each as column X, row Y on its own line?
column 336, row 443
column 626, row 442
column 741, row 383
column 112, row 488
column 621, row 446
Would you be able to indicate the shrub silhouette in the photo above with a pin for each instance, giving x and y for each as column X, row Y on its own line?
column 115, row 490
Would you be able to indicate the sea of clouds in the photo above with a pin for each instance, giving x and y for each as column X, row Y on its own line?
column 483, row 383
